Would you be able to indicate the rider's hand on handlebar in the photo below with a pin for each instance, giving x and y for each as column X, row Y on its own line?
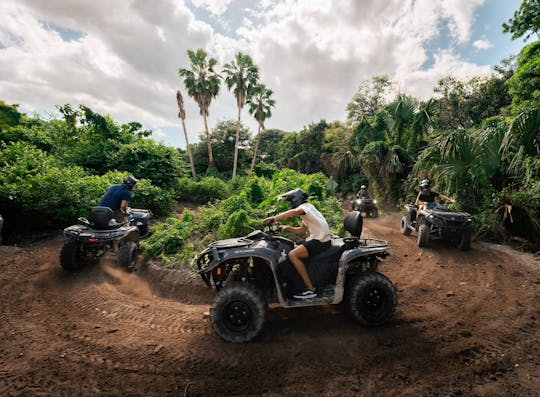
column 269, row 220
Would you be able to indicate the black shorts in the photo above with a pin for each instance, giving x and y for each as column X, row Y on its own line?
column 315, row 247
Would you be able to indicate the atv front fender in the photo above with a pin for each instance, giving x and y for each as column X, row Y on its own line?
column 380, row 248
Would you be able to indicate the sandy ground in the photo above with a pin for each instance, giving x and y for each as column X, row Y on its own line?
column 467, row 324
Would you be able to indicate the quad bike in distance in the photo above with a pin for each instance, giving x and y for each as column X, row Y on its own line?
column 251, row 272
column 366, row 205
column 90, row 238
column 439, row 223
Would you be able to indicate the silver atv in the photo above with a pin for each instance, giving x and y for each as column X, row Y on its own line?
column 438, row 223
column 251, row 272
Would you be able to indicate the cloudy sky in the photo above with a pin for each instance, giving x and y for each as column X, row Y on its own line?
column 122, row 57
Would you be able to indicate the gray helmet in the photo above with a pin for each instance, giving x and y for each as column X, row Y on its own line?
column 425, row 183
column 295, row 197
column 363, row 187
column 130, row 181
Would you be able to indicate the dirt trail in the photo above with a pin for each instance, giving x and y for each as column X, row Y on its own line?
column 467, row 324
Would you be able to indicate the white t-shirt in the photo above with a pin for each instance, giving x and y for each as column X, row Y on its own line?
column 315, row 222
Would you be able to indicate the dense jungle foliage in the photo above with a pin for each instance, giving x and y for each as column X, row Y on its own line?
column 477, row 140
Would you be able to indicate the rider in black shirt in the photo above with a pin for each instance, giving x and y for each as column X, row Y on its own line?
column 426, row 197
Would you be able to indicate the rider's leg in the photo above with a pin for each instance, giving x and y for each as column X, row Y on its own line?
column 295, row 256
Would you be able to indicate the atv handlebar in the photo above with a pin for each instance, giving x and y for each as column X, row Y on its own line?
column 272, row 227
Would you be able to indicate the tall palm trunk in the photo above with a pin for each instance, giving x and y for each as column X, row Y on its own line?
column 189, row 151
column 236, row 144
column 209, row 144
column 256, row 149
column 182, row 116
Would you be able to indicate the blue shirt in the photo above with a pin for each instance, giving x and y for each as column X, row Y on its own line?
column 114, row 195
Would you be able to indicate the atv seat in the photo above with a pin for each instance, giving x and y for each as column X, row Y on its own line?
column 353, row 224
column 102, row 218
column 334, row 251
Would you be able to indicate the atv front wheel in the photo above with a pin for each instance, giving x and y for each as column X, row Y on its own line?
column 70, row 256
column 423, row 235
column 238, row 312
column 375, row 213
column 127, row 255
column 464, row 241
column 371, row 298
column 403, row 227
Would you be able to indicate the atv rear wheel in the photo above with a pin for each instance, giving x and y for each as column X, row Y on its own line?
column 464, row 241
column 403, row 227
column 71, row 258
column 423, row 235
column 127, row 255
column 238, row 312
column 370, row 298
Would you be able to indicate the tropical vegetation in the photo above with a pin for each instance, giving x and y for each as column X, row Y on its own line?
column 478, row 140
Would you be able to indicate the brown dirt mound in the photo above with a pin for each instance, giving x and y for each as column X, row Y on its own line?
column 466, row 325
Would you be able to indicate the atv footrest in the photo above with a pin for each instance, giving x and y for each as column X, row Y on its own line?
column 324, row 297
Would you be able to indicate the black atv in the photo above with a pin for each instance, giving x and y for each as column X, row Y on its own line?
column 436, row 224
column 89, row 239
column 366, row 205
column 253, row 271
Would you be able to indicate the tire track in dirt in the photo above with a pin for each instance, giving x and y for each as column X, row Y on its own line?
column 495, row 308
column 463, row 322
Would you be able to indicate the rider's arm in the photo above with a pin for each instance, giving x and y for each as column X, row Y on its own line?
column 296, row 230
column 124, row 206
column 284, row 215
column 418, row 202
column 442, row 196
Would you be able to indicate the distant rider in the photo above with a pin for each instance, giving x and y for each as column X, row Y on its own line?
column 426, row 197
column 117, row 197
column 363, row 193
column 317, row 242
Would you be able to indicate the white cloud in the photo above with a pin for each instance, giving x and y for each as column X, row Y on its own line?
column 216, row 7
column 312, row 54
column 159, row 133
column 482, row 44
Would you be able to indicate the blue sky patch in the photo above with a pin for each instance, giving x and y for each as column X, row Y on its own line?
column 65, row 33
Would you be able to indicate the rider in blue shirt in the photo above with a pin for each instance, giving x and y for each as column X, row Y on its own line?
column 117, row 197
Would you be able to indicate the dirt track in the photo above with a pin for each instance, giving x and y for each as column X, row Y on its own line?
column 467, row 324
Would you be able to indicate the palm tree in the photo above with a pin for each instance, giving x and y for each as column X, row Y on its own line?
column 260, row 105
column 522, row 139
column 202, row 83
column 399, row 115
column 385, row 165
column 242, row 74
column 182, row 116
column 420, row 124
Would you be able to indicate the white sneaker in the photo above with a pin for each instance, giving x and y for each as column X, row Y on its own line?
column 306, row 294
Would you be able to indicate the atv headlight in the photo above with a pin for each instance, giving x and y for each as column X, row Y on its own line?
column 374, row 201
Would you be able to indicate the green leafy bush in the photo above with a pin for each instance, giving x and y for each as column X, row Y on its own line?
column 37, row 190
column 206, row 190
column 149, row 160
column 169, row 240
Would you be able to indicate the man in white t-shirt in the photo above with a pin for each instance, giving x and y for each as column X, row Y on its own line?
column 317, row 242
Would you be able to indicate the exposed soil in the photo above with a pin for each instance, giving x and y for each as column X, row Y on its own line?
column 467, row 324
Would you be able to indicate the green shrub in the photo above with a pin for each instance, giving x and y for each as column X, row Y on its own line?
column 204, row 191
column 169, row 240
column 148, row 159
column 36, row 190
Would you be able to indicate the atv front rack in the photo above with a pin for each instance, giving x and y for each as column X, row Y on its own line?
column 103, row 235
column 373, row 242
